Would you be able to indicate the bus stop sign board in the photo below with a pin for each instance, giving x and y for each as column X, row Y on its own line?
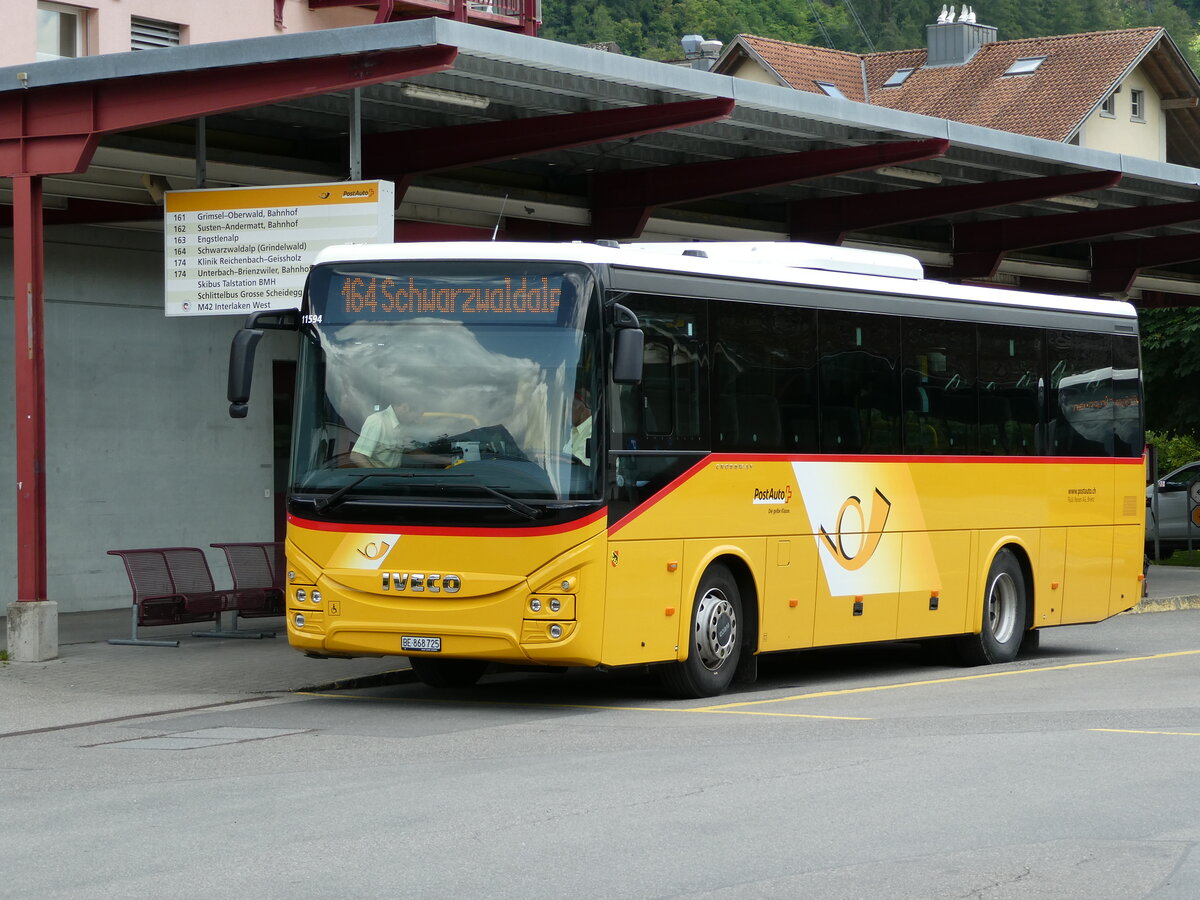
column 229, row 252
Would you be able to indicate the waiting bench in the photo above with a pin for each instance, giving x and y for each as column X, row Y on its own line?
column 174, row 585
column 257, row 571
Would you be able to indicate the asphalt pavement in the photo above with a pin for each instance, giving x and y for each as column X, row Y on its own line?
column 94, row 681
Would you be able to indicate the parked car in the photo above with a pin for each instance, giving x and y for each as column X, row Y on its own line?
column 1175, row 522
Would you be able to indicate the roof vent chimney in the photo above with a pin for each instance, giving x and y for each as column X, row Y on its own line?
column 700, row 52
column 955, row 38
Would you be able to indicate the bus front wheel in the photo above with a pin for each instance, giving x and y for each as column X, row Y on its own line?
column 447, row 673
column 715, row 642
column 1005, row 603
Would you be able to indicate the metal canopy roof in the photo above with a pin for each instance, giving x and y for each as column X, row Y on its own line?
column 556, row 192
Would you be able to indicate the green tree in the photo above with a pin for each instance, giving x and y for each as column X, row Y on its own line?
column 1170, row 338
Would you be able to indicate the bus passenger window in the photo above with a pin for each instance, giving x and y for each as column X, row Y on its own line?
column 940, row 400
column 1010, row 367
column 860, row 390
column 764, row 378
column 1081, row 394
column 1128, row 438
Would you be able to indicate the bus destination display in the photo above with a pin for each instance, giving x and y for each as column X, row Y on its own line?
column 358, row 297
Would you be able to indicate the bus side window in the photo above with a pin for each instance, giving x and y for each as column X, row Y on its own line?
column 764, row 378
column 940, row 397
column 859, row 381
column 1010, row 363
column 1081, row 391
column 668, row 409
column 1128, row 436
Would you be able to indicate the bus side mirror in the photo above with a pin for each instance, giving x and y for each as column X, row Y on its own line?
column 628, row 346
column 241, row 370
column 241, row 353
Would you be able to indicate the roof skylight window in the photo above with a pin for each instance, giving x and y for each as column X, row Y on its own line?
column 830, row 90
column 1027, row 65
column 898, row 77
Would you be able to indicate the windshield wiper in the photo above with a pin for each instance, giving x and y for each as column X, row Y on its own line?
column 512, row 503
column 320, row 504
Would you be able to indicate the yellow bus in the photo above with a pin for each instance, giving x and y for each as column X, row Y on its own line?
column 687, row 455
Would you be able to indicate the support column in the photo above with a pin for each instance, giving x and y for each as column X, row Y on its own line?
column 33, row 619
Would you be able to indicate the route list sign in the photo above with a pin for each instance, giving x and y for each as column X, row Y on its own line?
column 239, row 250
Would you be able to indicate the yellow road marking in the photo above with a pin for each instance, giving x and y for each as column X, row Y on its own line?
column 736, row 707
column 1136, row 731
column 912, row 684
column 674, row 709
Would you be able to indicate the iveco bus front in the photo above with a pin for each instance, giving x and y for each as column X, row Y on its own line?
column 445, row 495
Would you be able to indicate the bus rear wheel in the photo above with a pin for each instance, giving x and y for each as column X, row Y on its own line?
column 715, row 642
column 1005, row 607
column 447, row 673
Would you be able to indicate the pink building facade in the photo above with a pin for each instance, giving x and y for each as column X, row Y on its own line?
column 39, row 29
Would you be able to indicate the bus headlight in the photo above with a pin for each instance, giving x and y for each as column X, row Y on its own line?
column 316, row 596
column 556, row 631
column 298, row 620
column 535, row 604
column 555, row 604
column 301, row 596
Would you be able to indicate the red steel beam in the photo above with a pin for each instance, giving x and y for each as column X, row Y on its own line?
column 90, row 212
column 30, row 387
column 980, row 246
column 1117, row 263
column 827, row 221
column 623, row 201
column 399, row 155
column 55, row 129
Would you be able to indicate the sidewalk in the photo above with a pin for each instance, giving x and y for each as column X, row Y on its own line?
column 1171, row 587
column 93, row 680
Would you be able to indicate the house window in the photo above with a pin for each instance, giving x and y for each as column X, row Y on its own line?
column 1137, row 106
column 1108, row 108
column 1026, row 65
column 898, row 77
column 828, row 89
column 149, row 34
column 60, row 31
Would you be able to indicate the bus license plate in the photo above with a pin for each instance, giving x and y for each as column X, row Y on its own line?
column 427, row 644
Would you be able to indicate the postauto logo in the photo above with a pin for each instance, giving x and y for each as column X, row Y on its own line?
column 780, row 496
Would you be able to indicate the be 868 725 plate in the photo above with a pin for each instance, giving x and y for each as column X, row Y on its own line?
column 424, row 644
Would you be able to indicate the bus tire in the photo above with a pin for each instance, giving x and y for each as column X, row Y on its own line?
column 447, row 673
column 715, row 644
column 1005, row 604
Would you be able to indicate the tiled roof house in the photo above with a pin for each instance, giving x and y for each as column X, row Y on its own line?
column 1128, row 91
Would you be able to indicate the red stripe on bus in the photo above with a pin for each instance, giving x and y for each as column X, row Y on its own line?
column 448, row 531
column 671, row 488
column 717, row 458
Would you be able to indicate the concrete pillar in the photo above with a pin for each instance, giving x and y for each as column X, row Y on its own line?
column 33, row 631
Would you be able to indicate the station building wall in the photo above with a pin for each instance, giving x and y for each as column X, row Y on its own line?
column 140, row 449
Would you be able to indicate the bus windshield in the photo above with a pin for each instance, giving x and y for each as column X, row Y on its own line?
column 442, row 392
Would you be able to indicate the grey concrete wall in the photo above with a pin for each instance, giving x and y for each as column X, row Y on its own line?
column 140, row 451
